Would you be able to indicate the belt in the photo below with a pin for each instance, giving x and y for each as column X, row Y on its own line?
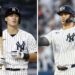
column 62, row 68
column 14, row 69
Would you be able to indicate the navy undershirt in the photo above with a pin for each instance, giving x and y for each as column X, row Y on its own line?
column 13, row 35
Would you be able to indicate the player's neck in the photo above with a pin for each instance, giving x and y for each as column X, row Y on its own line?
column 68, row 25
column 12, row 30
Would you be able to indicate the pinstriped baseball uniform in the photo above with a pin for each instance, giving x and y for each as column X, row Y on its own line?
column 63, row 46
column 22, row 41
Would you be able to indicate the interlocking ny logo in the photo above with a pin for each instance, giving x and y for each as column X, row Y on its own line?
column 20, row 46
column 62, row 8
column 70, row 37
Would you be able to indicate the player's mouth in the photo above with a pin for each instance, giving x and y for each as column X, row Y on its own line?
column 63, row 20
column 14, row 21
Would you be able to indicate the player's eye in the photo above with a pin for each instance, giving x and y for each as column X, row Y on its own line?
column 11, row 15
column 65, row 13
column 15, row 15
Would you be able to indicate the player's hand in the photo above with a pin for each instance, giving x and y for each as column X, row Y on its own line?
column 16, row 55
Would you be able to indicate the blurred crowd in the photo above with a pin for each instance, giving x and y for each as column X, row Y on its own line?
column 49, row 20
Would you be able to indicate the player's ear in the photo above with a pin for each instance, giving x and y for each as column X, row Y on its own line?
column 5, row 18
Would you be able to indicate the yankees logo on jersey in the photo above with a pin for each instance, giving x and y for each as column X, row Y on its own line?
column 20, row 47
column 70, row 37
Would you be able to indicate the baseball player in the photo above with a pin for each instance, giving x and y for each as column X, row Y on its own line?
column 63, row 42
column 19, row 46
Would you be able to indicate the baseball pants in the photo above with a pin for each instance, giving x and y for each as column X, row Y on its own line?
column 2, row 72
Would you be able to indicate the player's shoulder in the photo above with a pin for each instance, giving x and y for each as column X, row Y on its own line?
column 23, row 32
column 73, row 28
column 4, row 31
column 52, row 33
column 56, row 31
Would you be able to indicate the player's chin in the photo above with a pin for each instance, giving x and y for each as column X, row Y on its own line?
column 63, row 22
column 14, row 24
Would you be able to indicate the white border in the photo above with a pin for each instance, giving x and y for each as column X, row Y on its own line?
column 37, row 37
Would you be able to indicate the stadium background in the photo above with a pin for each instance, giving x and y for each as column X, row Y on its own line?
column 28, row 20
column 47, row 21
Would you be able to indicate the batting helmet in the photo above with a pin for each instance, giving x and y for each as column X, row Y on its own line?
column 13, row 10
column 67, row 9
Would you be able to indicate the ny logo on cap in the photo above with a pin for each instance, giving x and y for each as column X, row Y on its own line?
column 62, row 8
column 13, row 9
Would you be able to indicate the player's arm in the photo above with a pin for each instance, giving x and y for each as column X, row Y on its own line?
column 33, row 57
column 32, row 49
column 43, row 41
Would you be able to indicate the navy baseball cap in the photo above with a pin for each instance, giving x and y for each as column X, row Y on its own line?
column 67, row 9
column 12, row 10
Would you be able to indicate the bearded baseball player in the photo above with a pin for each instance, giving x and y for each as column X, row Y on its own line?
column 63, row 42
column 19, row 46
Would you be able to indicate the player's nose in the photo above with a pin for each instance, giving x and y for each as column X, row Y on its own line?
column 63, row 15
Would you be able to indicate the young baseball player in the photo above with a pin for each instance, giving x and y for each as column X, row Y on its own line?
column 63, row 42
column 19, row 46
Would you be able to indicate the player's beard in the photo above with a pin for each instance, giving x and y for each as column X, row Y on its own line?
column 65, row 22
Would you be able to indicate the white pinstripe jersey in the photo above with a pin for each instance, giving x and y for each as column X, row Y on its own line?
column 22, row 40
column 63, row 45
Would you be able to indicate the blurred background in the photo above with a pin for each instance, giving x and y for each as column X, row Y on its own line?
column 28, row 20
column 48, row 20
